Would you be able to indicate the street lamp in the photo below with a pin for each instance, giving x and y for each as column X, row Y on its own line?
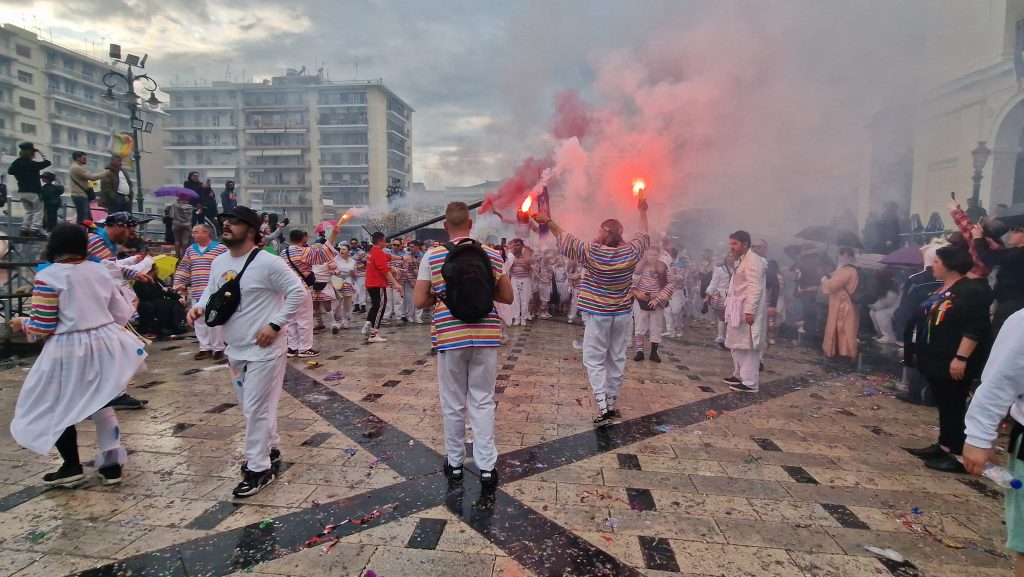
column 133, row 102
column 980, row 156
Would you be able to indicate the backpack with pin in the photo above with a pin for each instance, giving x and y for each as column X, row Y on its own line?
column 469, row 281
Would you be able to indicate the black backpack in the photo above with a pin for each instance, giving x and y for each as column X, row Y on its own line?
column 866, row 292
column 469, row 281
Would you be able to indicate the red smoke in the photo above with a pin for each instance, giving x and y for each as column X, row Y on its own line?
column 572, row 116
column 512, row 191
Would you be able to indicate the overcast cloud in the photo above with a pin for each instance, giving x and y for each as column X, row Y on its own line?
column 481, row 75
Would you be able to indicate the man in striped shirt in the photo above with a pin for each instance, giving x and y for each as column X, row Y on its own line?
column 605, row 297
column 191, row 278
column 300, row 258
column 467, row 355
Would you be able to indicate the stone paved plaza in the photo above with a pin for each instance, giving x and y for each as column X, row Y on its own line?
column 794, row 481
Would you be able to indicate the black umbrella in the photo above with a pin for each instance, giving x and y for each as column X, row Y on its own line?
column 830, row 235
column 1014, row 216
column 793, row 251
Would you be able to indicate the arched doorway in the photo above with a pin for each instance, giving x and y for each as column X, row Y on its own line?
column 1006, row 180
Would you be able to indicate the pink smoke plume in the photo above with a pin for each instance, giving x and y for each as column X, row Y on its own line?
column 661, row 113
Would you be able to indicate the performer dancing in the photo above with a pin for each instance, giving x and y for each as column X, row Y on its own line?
column 87, row 361
column 191, row 277
column 301, row 258
column 604, row 296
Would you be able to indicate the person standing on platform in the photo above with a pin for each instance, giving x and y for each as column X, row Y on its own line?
column 51, row 197
column 191, row 277
column 116, row 188
column 271, row 295
column 746, row 315
column 609, row 262
column 26, row 171
column 467, row 350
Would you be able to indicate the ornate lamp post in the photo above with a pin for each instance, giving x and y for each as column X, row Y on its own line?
column 133, row 102
column 980, row 156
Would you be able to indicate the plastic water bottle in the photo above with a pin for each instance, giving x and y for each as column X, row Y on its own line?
column 998, row 475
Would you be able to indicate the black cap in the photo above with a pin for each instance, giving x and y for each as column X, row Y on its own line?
column 27, row 147
column 243, row 214
column 48, row 176
column 125, row 219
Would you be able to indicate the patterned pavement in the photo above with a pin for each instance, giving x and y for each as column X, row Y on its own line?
column 794, row 481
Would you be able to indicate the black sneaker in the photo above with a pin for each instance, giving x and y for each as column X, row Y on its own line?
column 732, row 381
column 127, row 402
column 655, row 358
column 335, row 330
column 292, row 353
column 930, row 452
column 275, row 460
column 489, row 479
column 308, row 353
column 741, row 388
column 639, row 356
column 453, row 473
column 604, row 418
column 109, row 475
column 253, row 482
column 66, row 475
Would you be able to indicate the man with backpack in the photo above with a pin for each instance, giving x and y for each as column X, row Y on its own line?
column 462, row 280
column 301, row 258
column 272, row 295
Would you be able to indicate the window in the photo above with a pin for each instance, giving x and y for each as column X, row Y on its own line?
column 23, row 51
column 25, row 77
column 28, row 128
column 55, row 133
column 27, row 103
column 72, row 136
column 92, row 141
column 3, row 124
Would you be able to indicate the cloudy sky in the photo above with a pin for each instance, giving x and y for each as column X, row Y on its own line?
column 480, row 75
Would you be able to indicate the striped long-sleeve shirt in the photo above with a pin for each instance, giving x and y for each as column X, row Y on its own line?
column 43, row 320
column 604, row 291
column 447, row 331
column 193, row 270
column 304, row 257
column 101, row 248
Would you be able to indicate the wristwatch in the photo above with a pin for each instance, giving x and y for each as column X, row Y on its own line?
column 961, row 358
column 276, row 327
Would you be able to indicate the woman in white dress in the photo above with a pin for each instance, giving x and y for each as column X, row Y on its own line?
column 345, row 286
column 87, row 360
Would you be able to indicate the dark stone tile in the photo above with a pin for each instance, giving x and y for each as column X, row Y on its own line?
column 190, row 372
column 658, row 555
column 150, row 384
column 499, row 390
column 220, row 408
column 407, row 371
column 213, row 516
column 181, row 427
column 878, row 431
column 23, row 496
column 706, row 389
column 426, row 534
column 800, row 475
column 334, row 358
column 391, row 384
column 316, row 440
column 371, row 397
column 504, row 377
column 766, row 444
column 683, row 368
column 629, row 462
column 693, row 377
column 844, row 516
column 640, row 499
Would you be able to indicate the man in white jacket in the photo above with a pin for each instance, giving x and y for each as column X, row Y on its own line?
column 1002, row 388
column 271, row 296
column 746, row 315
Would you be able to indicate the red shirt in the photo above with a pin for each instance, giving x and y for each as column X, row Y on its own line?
column 377, row 268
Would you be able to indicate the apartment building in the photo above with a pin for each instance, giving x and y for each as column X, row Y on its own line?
column 297, row 143
column 52, row 95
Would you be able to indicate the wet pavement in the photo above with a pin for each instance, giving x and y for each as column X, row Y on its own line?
column 695, row 481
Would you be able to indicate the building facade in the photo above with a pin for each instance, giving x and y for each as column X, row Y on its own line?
column 295, row 144
column 977, row 97
column 52, row 96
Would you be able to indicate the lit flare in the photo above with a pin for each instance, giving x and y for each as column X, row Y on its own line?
column 527, row 203
column 638, row 188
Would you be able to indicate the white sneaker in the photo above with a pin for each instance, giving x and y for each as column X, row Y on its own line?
column 666, row 334
column 366, row 328
column 376, row 339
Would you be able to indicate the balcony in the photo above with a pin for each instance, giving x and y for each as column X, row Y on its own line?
column 183, row 127
column 282, row 166
column 275, row 106
column 96, row 104
column 276, row 128
column 199, row 105
column 199, row 144
column 337, row 164
column 8, row 79
column 343, row 183
column 6, row 106
column 75, row 74
column 80, row 123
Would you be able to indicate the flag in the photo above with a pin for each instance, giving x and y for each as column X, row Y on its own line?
column 121, row 144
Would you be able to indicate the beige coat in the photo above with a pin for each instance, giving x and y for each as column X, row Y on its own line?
column 80, row 177
column 843, row 322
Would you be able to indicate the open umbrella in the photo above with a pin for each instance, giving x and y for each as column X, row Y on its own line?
column 165, row 265
column 793, row 251
column 1014, row 216
column 907, row 256
column 830, row 235
column 176, row 191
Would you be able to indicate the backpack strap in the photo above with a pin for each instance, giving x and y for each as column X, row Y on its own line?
column 252, row 256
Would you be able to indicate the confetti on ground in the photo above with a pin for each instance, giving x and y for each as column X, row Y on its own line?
column 378, row 460
column 334, row 376
column 350, row 452
column 36, row 536
column 664, row 428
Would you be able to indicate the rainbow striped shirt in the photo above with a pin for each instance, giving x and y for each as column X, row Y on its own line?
column 43, row 320
column 194, row 268
column 604, row 290
column 446, row 331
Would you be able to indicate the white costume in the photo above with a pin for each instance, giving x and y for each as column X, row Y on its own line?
column 747, row 295
column 271, row 293
column 87, row 361
column 344, row 286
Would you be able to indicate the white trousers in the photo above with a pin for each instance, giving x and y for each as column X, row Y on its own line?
column 544, row 292
column 300, row 328
column 395, row 305
column 604, row 355
column 210, row 338
column 257, row 386
column 522, row 293
column 746, row 365
column 882, row 319
column 466, row 377
column 564, row 294
column 360, row 291
column 409, row 309
column 574, row 303
column 33, row 219
column 649, row 324
column 342, row 310
column 674, row 311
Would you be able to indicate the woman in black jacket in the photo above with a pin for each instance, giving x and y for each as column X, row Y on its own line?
column 950, row 349
column 161, row 311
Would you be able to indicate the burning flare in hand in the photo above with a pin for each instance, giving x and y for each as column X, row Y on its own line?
column 527, row 203
column 638, row 188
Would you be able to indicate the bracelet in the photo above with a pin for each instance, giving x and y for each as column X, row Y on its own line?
column 274, row 326
column 960, row 358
